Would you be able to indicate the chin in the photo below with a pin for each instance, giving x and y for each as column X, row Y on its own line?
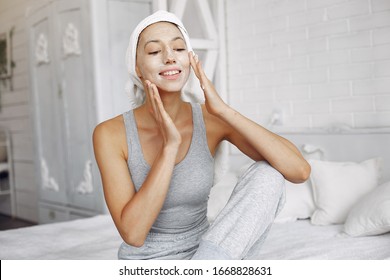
column 173, row 87
column 170, row 89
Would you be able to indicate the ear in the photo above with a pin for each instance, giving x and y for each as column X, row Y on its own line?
column 138, row 72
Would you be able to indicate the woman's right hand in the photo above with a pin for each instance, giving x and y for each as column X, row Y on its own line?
column 171, row 136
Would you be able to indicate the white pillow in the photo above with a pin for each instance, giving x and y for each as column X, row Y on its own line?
column 371, row 215
column 220, row 194
column 299, row 203
column 337, row 186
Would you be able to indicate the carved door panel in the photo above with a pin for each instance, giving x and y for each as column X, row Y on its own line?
column 46, row 108
column 75, row 77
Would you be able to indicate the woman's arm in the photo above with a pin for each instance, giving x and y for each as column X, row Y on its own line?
column 135, row 212
column 278, row 151
column 251, row 138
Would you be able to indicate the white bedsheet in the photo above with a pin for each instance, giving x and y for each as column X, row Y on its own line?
column 97, row 238
column 91, row 238
column 301, row 240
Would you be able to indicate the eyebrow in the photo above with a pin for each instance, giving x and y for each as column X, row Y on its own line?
column 158, row 41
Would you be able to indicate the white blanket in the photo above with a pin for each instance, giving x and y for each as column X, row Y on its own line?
column 97, row 238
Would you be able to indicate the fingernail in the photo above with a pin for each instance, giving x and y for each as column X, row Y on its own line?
column 193, row 53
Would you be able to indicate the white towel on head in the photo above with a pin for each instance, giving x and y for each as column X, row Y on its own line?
column 134, row 86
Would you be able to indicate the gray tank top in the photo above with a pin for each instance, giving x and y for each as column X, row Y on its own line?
column 185, row 207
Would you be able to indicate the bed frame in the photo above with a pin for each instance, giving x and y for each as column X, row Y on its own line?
column 338, row 143
column 342, row 144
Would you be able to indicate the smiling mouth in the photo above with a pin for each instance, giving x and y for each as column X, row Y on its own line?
column 170, row 73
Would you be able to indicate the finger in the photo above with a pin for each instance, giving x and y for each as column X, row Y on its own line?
column 147, row 88
column 202, row 74
column 159, row 107
column 163, row 114
column 199, row 72
column 146, row 84
column 194, row 63
column 152, row 99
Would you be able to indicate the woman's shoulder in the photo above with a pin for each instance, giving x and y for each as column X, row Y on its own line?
column 111, row 125
column 110, row 131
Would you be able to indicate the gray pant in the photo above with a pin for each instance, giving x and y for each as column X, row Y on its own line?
column 243, row 224
column 238, row 231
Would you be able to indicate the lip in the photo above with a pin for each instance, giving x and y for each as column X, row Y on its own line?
column 164, row 74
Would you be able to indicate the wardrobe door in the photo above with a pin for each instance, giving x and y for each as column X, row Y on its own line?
column 75, row 74
column 46, row 108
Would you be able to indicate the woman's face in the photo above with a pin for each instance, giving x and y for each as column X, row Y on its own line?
column 162, row 57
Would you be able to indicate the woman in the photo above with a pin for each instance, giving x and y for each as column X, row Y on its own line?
column 156, row 161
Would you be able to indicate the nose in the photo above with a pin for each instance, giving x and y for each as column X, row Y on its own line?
column 169, row 57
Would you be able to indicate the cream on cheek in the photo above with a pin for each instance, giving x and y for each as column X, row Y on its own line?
column 148, row 70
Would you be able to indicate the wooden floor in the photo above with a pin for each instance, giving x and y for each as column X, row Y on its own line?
column 7, row 222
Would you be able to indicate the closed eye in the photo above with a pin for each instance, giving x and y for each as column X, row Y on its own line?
column 154, row 53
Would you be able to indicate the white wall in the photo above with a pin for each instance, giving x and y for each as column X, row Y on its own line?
column 318, row 61
column 15, row 109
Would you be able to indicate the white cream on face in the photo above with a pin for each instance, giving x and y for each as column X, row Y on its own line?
column 162, row 57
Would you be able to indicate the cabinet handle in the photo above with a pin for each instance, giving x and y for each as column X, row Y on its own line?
column 52, row 215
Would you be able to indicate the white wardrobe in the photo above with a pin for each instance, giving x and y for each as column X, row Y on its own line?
column 65, row 64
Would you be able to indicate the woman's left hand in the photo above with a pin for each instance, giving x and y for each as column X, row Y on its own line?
column 214, row 103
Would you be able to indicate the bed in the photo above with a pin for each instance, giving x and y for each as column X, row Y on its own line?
column 96, row 238
column 309, row 227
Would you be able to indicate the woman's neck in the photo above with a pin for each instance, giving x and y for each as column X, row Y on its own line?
column 172, row 103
